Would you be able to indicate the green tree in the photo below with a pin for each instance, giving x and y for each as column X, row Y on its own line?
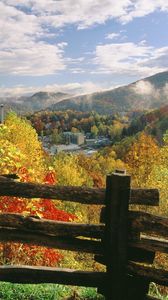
column 56, row 137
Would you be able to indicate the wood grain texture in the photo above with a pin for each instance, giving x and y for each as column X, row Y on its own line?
column 57, row 228
column 148, row 223
column 151, row 244
column 82, row 195
column 158, row 276
column 35, row 275
column 51, row 241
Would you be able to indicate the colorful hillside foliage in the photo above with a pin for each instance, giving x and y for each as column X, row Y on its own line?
column 154, row 123
column 21, row 153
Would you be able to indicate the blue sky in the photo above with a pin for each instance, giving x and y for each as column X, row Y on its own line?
column 80, row 46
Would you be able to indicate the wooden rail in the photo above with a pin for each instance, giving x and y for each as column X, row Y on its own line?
column 45, row 226
column 137, row 220
column 27, row 274
column 122, row 241
column 82, row 195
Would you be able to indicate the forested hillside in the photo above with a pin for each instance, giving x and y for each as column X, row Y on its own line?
column 154, row 122
column 22, row 153
column 148, row 93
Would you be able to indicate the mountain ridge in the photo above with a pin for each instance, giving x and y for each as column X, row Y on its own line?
column 144, row 94
column 35, row 102
column 147, row 93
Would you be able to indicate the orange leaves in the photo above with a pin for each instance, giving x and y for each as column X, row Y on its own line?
column 48, row 210
column 15, row 253
column 21, row 153
column 97, row 178
column 50, row 178
column 12, row 205
column 26, row 254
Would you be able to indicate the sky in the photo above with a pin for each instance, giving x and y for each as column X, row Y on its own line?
column 80, row 46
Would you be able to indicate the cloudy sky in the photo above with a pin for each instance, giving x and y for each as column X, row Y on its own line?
column 80, row 46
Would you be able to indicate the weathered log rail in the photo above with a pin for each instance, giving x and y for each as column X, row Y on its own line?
column 122, row 241
column 81, row 195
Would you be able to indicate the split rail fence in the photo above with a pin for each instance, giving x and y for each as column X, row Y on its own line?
column 125, row 240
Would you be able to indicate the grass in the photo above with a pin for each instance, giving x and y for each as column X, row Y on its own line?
column 10, row 291
column 153, row 291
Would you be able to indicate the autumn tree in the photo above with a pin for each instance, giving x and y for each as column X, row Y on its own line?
column 19, row 133
column 159, row 179
column 94, row 131
column 69, row 172
column 100, row 164
column 159, row 176
column 141, row 158
column 21, row 153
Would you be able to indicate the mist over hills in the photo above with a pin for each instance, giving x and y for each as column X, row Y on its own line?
column 37, row 101
column 148, row 93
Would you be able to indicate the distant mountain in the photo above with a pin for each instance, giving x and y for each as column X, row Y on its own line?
column 158, row 80
column 41, row 100
column 148, row 93
column 38, row 101
column 145, row 94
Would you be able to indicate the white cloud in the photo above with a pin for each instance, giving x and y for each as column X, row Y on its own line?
column 25, row 31
column 165, row 90
column 141, row 8
column 85, row 13
column 75, row 88
column 38, row 59
column 131, row 59
column 143, row 42
column 22, row 51
column 112, row 36
column 143, row 87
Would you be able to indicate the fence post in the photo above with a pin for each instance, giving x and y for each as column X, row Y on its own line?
column 116, row 216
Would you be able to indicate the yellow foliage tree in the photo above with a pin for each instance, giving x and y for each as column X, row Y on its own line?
column 19, row 138
column 159, row 177
column 141, row 158
column 69, row 172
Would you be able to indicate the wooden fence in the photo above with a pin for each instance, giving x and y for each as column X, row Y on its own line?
column 125, row 241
